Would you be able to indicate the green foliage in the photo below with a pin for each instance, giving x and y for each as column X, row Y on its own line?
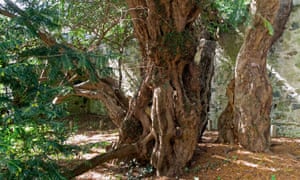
column 95, row 23
column 231, row 13
column 43, row 45
column 175, row 41
column 29, row 132
column 85, row 35
column 268, row 26
column 136, row 171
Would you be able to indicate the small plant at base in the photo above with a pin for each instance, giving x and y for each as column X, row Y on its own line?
column 137, row 172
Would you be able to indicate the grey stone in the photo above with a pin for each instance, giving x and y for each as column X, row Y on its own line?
column 295, row 106
column 276, row 94
column 294, row 26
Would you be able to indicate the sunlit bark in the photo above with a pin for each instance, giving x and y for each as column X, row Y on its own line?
column 252, row 90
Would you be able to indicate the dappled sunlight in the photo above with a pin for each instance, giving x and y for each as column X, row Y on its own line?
column 75, row 73
column 246, row 163
column 255, row 156
column 244, row 152
column 275, row 157
column 285, row 140
column 249, row 164
column 213, row 145
column 92, row 175
column 212, row 159
column 215, row 160
column 90, row 155
column 105, row 171
column 262, row 158
column 94, row 141
column 81, row 139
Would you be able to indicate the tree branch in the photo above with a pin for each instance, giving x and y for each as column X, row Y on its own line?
column 126, row 151
column 7, row 14
column 42, row 35
column 121, row 152
column 105, row 91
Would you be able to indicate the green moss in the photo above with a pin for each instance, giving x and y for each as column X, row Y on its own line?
column 178, row 41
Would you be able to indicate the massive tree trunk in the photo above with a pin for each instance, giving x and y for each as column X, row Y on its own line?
column 176, row 86
column 172, row 80
column 252, row 91
column 175, row 82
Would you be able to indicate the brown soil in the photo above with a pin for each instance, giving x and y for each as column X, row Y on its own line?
column 211, row 160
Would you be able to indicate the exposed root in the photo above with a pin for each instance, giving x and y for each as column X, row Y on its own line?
column 124, row 151
column 121, row 152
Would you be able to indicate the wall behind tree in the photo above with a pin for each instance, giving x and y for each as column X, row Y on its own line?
column 284, row 67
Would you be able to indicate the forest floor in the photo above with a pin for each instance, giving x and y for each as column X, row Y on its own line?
column 212, row 161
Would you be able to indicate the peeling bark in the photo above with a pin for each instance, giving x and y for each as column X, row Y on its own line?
column 246, row 118
column 175, row 139
column 253, row 92
column 168, row 47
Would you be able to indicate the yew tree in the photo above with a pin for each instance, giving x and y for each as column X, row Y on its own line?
column 246, row 119
column 176, row 69
column 175, row 81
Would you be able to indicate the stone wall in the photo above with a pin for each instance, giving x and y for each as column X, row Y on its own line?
column 81, row 105
column 284, row 67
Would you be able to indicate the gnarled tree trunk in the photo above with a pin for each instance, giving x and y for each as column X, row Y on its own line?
column 172, row 80
column 252, row 91
column 176, row 84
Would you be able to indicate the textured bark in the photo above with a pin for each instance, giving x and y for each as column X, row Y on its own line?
column 168, row 46
column 106, row 91
column 175, row 119
column 253, row 92
column 227, row 128
column 175, row 84
column 137, row 123
column 205, row 72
